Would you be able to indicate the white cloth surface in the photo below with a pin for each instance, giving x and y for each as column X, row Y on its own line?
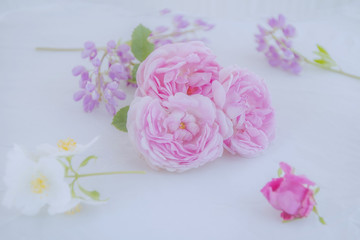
column 317, row 113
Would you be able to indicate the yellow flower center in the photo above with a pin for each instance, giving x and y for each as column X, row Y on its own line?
column 67, row 144
column 182, row 125
column 39, row 184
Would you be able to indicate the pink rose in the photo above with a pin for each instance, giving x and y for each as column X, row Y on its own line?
column 245, row 99
column 290, row 194
column 188, row 67
column 178, row 134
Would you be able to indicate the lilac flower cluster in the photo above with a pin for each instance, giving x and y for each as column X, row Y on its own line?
column 99, row 85
column 277, row 45
column 182, row 30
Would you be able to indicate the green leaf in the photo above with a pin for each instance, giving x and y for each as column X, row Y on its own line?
column 315, row 211
column 316, row 190
column 279, row 172
column 322, row 50
column 119, row 120
column 140, row 46
column 321, row 61
column 322, row 220
column 133, row 73
column 94, row 195
column 86, row 160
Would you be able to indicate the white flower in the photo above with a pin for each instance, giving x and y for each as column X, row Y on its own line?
column 32, row 183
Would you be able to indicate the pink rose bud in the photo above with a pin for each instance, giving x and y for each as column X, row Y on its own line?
column 291, row 194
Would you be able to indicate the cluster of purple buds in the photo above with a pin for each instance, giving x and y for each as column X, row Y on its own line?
column 99, row 85
column 277, row 45
column 182, row 30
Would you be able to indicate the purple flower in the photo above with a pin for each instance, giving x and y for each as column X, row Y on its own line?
column 124, row 53
column 277, row 45
column 117, row 72
column 89, row 51
column 201, row 23
column 165, row 11
column 180, row 22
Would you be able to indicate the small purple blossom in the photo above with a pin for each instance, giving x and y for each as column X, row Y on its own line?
column 124, row 53
column 180, row 22
column 277, row 45
column 165, row 11
column 89, row 51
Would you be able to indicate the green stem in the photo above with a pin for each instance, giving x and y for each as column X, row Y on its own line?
column 330, row 69
column 173, row 33
column 339, row 71
column 50, row 49
column 59, row 49
column 107, row 173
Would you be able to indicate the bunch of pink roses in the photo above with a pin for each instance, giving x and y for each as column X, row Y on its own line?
column 188, row 109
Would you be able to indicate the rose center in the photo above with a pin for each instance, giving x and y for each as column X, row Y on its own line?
column 182, row 125
column 39, row 184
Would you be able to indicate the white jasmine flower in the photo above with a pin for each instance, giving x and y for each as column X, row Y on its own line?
column 31, row 185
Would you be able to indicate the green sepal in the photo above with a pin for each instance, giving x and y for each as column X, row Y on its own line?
column 140, row 46
column 120, row 119
column 86, row 160
column 321, row 219
column 316, row 190
column 279, row 172
column 94, row 195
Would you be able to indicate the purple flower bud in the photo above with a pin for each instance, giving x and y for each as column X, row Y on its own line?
column 165, row 11
column 273, row 22
column 96, row 62
column 111, row 44
column 119, row 94
column 281, row 21
column 90, row 87
column 110, row 108
column 78, row 70
column 85, row 76
column 161, row 29
column 89, row 45
column 180, row 22
column 79, row 95
column 289, row 31
column 205, row 25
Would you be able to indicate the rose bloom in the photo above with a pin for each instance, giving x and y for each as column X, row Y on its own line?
column 245, row 99
column 176, row 135
column 188, row 67
column 290, row 194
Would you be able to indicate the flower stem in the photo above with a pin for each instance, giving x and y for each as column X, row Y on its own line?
column 330, row 69
column 107, row 173
column 59, row 49
column 50, row 49
column 155, row 37
column 339, row 71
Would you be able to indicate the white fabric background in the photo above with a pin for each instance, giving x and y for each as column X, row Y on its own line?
column 318, row 130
